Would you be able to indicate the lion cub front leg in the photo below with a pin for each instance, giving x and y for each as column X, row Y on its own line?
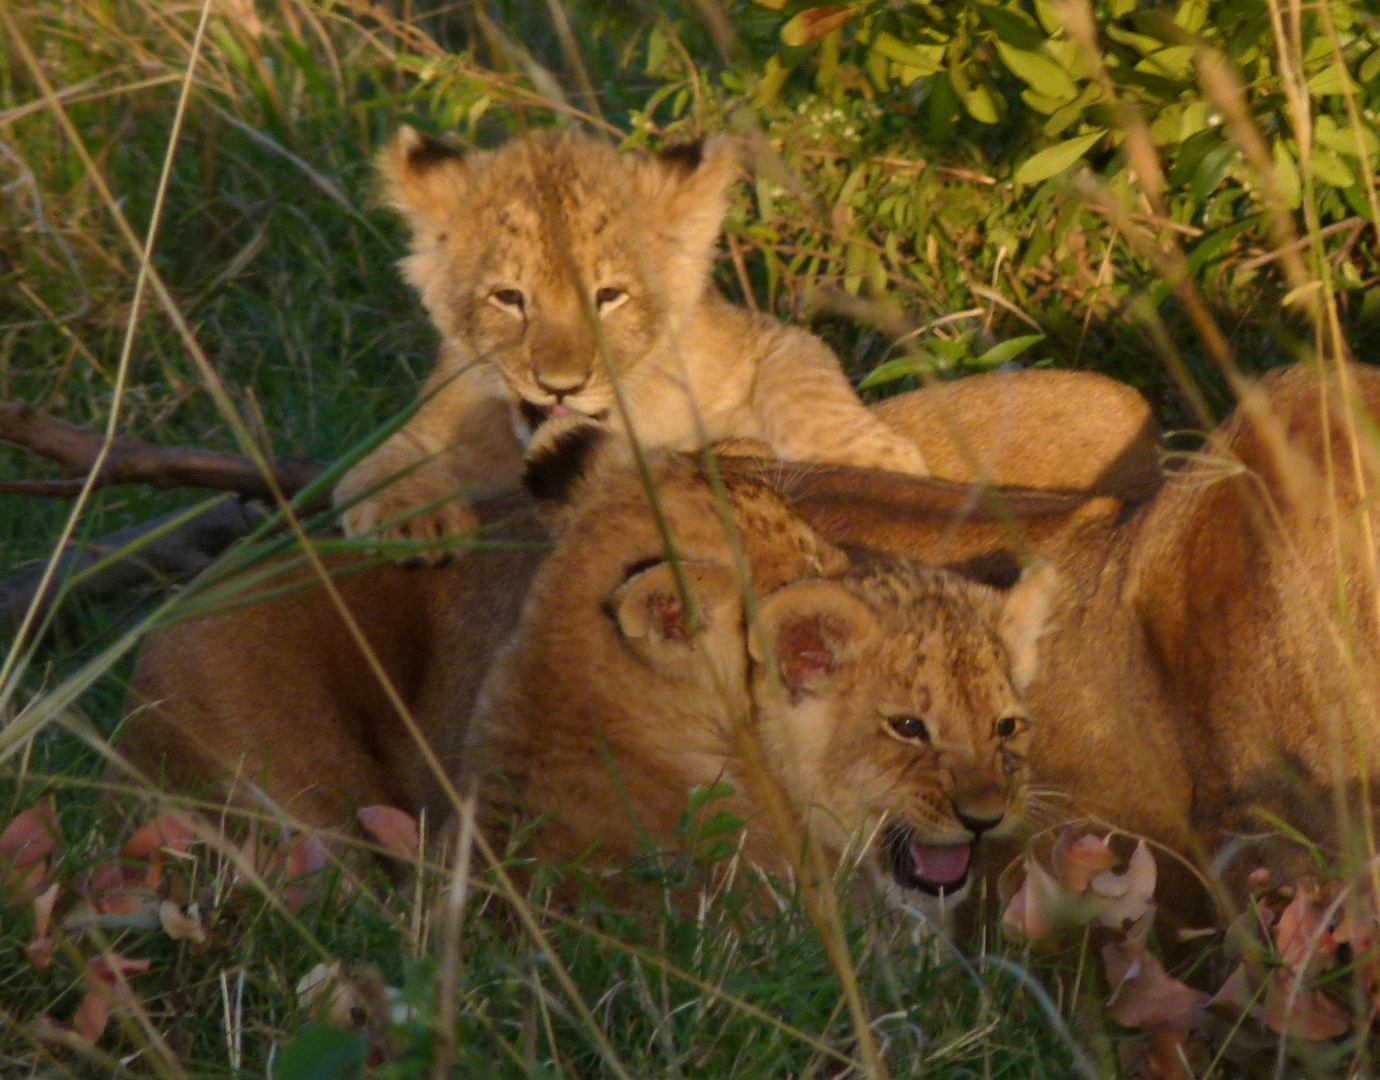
column 807, row 411
column 414, row 486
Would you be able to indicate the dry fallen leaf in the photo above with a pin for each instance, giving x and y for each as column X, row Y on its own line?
column 102, row 977
column 1125, row 898
column 27, row 842
column 40, row 949
column 1297, row 1010
column 181, row 926
column 395, row 830
column 1043, row 908
column 151, row 843
column 1144, row 995
column 1077, row 862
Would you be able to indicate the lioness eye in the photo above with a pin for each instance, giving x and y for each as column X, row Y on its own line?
column 509, row 298
column 909, row 727
column 609, row 294
column 1006, row 727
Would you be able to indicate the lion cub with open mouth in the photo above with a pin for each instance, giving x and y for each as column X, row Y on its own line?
column 876, row 702
column 562, row 273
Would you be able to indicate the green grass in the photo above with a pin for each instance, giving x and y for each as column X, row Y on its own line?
column 277, row 255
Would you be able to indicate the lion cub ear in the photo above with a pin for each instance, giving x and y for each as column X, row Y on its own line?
column 812, row 630
column 420, row 175
column 698, row 176
column 651, row 617
column 1022, row 622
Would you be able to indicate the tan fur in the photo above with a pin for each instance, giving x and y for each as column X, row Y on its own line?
column 561, row 272
column 602, row 724
column 1213, row 660
column 240, row 692
column 556, row 218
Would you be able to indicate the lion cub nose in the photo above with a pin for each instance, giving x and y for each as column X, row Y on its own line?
column 977, row 825
column 562, row 388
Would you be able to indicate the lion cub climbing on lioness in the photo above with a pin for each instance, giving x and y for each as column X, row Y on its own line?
column 562, row 273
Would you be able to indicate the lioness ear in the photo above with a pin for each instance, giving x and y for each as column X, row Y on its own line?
column 1022, row 621
column 420, row 174
column 814, row 630
column 648, row 610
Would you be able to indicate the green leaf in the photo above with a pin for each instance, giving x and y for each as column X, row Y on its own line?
column 1040, row 103
column 1055, row 159
column 1344, row 139
column 1174, row 62
column 1331, row 169
column 1332, row 79
column 774, row 75
column 322, row 1052
column 928, row 58
column 721, row 824
column 1212, row 170
column 1012, row 27
column 1050, row 15
column 1287, row 174
column 775, row 5
column 1044, row 76
column 1006, row 351
column 895, row 370
column 976, row 98
column 1370, row 67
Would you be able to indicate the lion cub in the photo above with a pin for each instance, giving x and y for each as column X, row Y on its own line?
column 561, row 274
column 879, row 702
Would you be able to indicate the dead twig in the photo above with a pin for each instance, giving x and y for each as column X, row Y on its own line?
column 133, row 461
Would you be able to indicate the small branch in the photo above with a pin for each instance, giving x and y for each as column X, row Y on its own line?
column 133, row 461
column 176, row 555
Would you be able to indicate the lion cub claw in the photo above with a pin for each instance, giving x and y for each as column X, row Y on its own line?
column 424, row 506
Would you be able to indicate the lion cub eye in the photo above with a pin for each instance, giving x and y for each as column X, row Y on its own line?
column 1006, row 726
column 910, row 728
column 609, row 297
column 510, row 300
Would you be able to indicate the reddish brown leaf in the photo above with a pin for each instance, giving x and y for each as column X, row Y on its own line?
column 305, row 856
column 1043, row 908
column 1077, row 862
column 1294, row 1009
column 1304, row 944
column 105, row 968
column 1236, row 995
column 812, row 24
column 1144, row 995
column 395, row 830
column 1171, row 1054
column 31, row 836
column 166, row 832
column 40, row 952
column 92, row 1014
column 25, row 845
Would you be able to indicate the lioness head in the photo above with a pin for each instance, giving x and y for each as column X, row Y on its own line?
column 527, row 255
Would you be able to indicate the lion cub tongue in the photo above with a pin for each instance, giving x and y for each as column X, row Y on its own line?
column 940, row 865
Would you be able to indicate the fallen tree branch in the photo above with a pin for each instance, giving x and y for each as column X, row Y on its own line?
column 175, row 556
column 133, row 461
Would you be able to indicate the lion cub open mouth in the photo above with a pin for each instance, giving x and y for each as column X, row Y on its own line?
column 932, row 868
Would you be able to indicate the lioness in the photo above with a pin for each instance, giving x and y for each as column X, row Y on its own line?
column 562, row 274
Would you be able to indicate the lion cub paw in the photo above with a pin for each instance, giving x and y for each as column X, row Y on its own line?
column 424, row 506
